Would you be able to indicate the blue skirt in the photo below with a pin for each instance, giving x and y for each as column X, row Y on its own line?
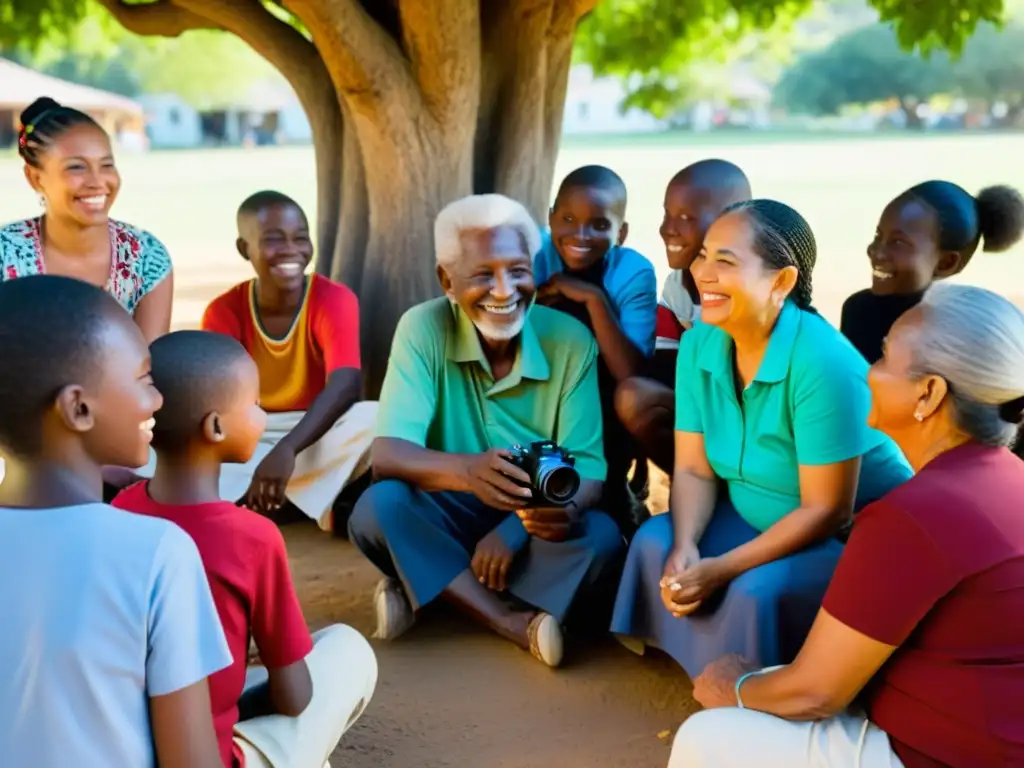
column 764, row 615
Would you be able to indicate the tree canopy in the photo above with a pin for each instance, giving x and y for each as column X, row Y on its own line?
column 868, row 65
column 651, row 43
column 992, row 66
column 205, row 67
column 864, row 66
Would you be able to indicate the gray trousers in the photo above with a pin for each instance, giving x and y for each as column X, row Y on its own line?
column 427, row 539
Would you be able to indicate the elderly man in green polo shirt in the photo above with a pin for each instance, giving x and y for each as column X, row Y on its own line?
column 471, row 375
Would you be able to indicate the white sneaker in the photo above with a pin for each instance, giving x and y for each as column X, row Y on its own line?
column 394, row 613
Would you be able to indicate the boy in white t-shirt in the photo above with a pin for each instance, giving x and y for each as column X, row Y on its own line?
column 109, row 628
column 695, row 197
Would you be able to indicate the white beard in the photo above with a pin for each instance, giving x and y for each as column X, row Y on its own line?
column 503, row 332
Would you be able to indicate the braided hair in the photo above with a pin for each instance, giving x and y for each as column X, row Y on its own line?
column 42, row 122
column 995, row 216
column 782, row 238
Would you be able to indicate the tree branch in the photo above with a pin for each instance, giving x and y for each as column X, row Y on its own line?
column 279, row 43
column 161, row 18
column 442, row 41
column 583, row 7
column 364, row 61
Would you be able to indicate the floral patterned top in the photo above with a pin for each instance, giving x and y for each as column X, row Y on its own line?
column 139, row 262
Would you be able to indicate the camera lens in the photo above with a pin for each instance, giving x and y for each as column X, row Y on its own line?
column 558, row 483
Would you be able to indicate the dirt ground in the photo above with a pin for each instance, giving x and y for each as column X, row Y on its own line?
column 452, row 695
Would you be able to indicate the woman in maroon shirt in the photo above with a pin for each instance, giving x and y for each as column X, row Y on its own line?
column 923, row 623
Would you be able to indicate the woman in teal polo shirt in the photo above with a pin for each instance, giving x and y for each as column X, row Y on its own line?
column 773, row 454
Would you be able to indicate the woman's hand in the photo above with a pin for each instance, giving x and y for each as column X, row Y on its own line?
column 697, row 583
column 716, row 685
column 679, row 560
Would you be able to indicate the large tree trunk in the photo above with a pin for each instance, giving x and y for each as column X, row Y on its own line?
column 412, row 104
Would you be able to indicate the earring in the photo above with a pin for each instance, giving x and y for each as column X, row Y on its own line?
column 42, row 201
column 918, row 415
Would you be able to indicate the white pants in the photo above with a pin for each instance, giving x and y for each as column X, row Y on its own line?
column 321, row 471
column 343, row 668
column 745, row 738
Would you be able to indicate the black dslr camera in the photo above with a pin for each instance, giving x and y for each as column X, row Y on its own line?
column 552, row 470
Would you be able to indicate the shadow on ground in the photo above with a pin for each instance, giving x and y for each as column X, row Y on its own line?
column 451, row 695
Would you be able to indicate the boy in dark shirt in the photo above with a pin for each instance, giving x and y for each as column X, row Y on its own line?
column 211, row 416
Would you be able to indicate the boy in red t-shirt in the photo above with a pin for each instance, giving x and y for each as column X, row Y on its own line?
column 303, row 332
column 211, row 416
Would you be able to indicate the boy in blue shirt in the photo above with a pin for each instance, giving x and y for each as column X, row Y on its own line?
column 584, row 269
column 104, row 659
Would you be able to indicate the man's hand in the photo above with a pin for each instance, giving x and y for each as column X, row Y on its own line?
column 716, row 685
column 564, row 286
column 266, row 491
column 549, row 523
column 495, row 480
column 491, row 561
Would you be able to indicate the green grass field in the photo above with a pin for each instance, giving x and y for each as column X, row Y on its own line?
column 840, row 184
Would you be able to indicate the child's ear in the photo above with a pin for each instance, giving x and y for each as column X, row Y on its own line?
column 949, row 264
column 73, row 408
column 243, row 248
column 623, row 233
column 213, row 430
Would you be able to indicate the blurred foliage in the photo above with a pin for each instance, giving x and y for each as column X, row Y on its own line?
column 26, row 22
column 863, row 66
column 992, row 65
column 205, row 68
column 653, row 44
column 869, row 65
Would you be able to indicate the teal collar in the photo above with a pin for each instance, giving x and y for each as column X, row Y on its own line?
column 530, row 362
column 716, row 355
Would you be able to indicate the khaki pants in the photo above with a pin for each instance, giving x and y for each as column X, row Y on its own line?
column 321, row 471
column 343, row 668
column 741, row 738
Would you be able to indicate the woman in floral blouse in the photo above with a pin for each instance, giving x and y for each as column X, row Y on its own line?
column 69, row 163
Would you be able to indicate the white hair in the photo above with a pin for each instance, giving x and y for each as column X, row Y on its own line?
column 974, row 339
column 481, row 212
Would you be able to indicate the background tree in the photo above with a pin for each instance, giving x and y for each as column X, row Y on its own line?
column 863, row 66
column 992, row 69
column 206, row 68
column 413, row 103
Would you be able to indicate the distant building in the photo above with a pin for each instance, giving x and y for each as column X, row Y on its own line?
column 171, row 122
column 19, row 86
column 594, row 105
column 268, row 113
